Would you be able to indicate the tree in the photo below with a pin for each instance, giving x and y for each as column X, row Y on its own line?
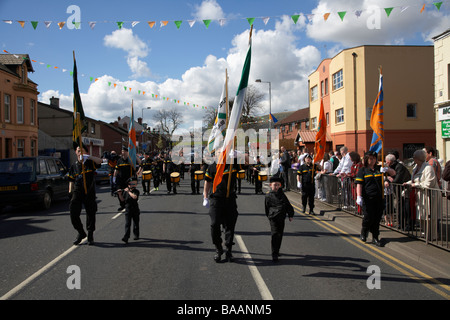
column 251, row 103
column 168, row 121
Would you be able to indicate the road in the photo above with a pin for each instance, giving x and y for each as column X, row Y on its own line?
column 173, row 260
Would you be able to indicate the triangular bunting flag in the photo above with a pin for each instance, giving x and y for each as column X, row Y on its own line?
column 119, row 24
column 92, row 24
column 151, row 23
column 47, row 24
column 163, row 23
column 342, row 15
column 76, row 24
column 61, row 24
column 423, row 9
column 295, row 18
column 325, row 16
column 22, row 23
column 207, row 22
column 178, row 23
column 34, row 24
column 388, row 11
column 7, row 21
column 404, row 8
column 134, row 23
column 438, row 5
column 222, row 22
column 265, row 20
column 358, row 13
column 250, row 20
column 191, row 23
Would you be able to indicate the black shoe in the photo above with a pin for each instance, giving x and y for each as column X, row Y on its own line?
column 377, row 242
column 229, row 256
column 120, row 208
column 275, row 257
column 218, row 255
column 311, row 212
column 90, row 238
column 136, row 238
column 363, row 237
column 125, row 240
column 79, row 238
column 304, row 209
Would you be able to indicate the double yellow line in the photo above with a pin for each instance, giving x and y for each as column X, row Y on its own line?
column 441, row 289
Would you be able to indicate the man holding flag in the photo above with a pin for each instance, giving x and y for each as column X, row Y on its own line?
column 222, row 176
column 81, row 173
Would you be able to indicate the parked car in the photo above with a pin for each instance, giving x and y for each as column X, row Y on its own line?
column 102, row 174
column 32, row 180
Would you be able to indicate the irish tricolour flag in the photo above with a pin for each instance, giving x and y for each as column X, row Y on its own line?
column 235, row 116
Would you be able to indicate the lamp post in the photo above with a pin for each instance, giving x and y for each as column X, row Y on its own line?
column 142, row 134
column 270, row 101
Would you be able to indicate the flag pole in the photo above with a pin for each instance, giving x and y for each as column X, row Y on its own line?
column 80, row 139
column 231, row 162
column 380, row 69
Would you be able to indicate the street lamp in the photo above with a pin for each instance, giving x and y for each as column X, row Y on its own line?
column 270, row 101
column 142, row 117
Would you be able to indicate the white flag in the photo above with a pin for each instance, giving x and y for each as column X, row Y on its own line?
column 220, row 124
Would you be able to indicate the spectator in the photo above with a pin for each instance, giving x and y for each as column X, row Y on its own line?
column 285, row 165
column 423, row 176
column 446, row 177
column 327, row 167
column 334, row 159
column 345, row 164
column 356, row 165
column 432, row 161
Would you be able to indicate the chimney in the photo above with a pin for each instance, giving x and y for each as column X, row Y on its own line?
column 54, row 102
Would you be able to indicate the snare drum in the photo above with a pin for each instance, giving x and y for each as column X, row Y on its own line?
column 262, row 177
column 147, row 175
column 175, row 177
column 199, row 175
column 241, row 174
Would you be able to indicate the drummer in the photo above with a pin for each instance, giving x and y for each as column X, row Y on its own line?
column 145, row 165
column 256, row 169
column 168, row 168
column 195, row 166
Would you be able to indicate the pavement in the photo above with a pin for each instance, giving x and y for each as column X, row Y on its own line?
column 401, row 245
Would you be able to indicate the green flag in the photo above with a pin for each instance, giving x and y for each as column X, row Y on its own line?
column 79, row 124
column 388, row 11
column 342, row 15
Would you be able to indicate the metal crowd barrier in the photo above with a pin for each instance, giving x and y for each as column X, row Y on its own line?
column 422, row 213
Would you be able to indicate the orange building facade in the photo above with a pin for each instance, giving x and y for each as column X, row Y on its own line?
column 18, row 107
column 348, row 85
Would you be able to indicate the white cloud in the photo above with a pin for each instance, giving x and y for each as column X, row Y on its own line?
column 373, row 26
column 208, row 9
column 125, row 39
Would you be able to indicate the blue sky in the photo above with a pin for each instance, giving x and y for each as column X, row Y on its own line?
column 188, row 63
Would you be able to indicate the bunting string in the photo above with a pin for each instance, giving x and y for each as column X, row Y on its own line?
column 326, row 16
column 115, row 85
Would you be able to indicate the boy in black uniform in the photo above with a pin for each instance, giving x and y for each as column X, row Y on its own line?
column 370, row 197
column 82, row 192
column 277, row 205
column 124, row 170
column 130, row 197
column 222, row 209
column 305, row 180
column 157, row 171
column 195, row 184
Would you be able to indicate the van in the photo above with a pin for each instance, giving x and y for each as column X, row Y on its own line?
column 32, row 180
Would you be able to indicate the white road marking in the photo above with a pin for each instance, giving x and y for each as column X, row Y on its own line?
column 35, row 275
column 262, row 287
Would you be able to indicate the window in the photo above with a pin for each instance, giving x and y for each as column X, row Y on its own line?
column 326, row 86
column 92, row 128
column 19, row 110
column 307, row 125
column 338, row 80
column 327, row 116
column 42, row 167
column 20, row 147
column 411, row 110
column 340, row 115
column 314, row 93
column 32, row 111
column 7, row 108
column 322, row 88
column 314, row 123
column 290, row 126
column 33, row 148
column 52, row 166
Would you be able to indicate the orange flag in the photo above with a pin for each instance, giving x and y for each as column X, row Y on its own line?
column 321, row 135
